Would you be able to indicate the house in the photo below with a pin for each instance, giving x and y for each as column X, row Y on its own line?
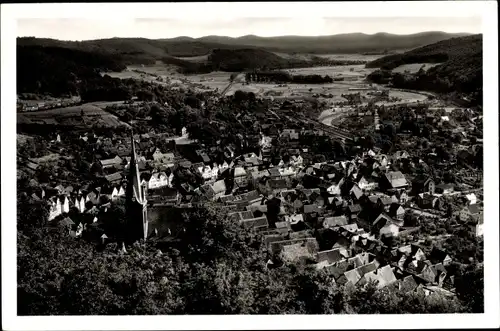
column 114, row 178
column 427, row 201
column 55, row 208
column 76, row 230
column 402, row 197
column 423, row 185
column 471, row 198
column 383, row 277
column 400, row 155
column 240, row 216
column 384, row 203
column 331, row 256
column 364, row 184
column 353, row 211
column 218, row 188
column 66, row 223
column 393, row 180
column 352, row 277
column 386, row 225
column 207, row 173
column 439, row 256
column 468, row 212
column 335, row 188
column 277, row 185
column 256, row 223
column 294, row 219
column 240, row 176
column 479, row 231
column 356, row 192
column 311, row 210
column 114, row 162
column 80, row 204
column 331, row 222
column 445, row 189
column 396, row 211
column 160, row 179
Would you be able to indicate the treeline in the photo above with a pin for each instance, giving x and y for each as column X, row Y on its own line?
column 284, row 77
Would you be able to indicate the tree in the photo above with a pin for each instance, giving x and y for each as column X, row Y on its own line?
column 470, row 288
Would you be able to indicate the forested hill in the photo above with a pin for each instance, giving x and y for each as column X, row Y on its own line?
column 58, row 70
column 460, row 69
column 446, row 50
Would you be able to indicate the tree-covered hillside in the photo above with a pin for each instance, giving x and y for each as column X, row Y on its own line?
column 460, row 69
column 439, row 52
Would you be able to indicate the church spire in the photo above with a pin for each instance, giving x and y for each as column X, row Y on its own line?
column 135, row 196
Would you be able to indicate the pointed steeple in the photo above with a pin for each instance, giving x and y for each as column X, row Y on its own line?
column 135, row 196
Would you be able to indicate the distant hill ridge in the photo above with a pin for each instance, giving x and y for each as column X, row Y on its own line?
column 186, row 46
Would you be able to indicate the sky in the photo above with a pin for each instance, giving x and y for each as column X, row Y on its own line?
column 156, row 28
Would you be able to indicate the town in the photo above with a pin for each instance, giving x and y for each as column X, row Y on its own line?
column 363, row 215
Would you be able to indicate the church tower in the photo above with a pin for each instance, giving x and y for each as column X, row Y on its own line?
column 136, row 203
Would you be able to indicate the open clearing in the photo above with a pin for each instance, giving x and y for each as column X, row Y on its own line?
column 414, row 67
column 71, row 116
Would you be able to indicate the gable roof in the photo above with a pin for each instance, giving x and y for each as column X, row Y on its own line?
column 330, row 222
column 240, row 215
column 383, row 276
column 258, row 222
column 473, row 209
column 396, row 179
column 383, row 216
column 356, row 208
column 219, row 187
column 332, row 255
column 114, row 177
column 309, row 209
column 394, row 208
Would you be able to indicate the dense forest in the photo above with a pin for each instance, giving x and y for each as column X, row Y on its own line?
column 60, row 71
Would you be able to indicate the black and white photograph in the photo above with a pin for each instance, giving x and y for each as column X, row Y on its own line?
column 256, row 160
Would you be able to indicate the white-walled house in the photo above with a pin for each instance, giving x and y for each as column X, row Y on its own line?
column 390, row 229
column 157, row 180
column 80, row 204
column 55, row 208
column 334, row 189
column 364, row 184
column 65, row 204
column 297, row 161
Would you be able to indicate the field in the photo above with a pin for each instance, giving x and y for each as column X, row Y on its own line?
column 414, row 67
column 353, row 75
column 71, row 116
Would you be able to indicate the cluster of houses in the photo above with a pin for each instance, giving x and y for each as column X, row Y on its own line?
column 338, row 215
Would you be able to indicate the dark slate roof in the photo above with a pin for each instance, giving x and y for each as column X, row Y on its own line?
column 354, row 208
column 258, row 222
column 473, row 209
column 332, row 256
column 309, row 209
column 114, row 177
